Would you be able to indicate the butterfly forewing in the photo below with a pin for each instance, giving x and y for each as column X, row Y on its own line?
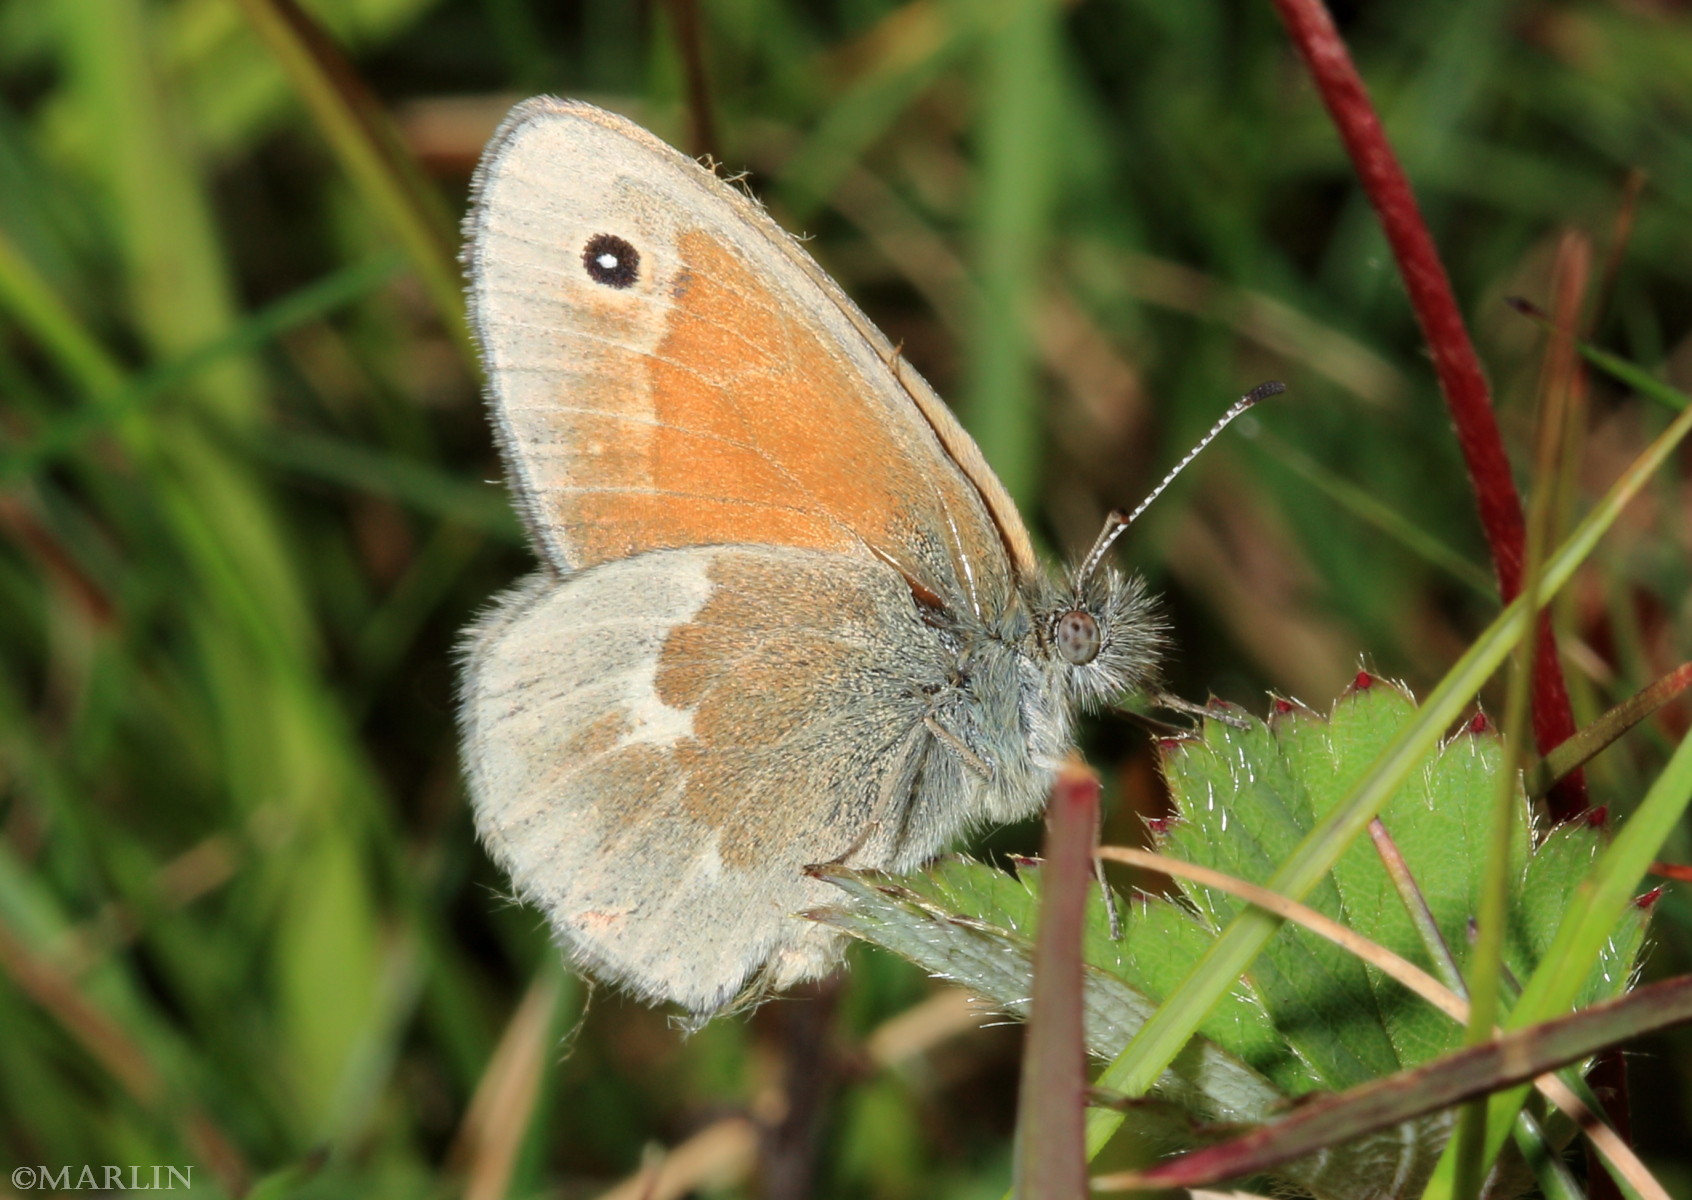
column 669, row 369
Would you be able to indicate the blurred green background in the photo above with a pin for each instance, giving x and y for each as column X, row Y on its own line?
column 248, row 498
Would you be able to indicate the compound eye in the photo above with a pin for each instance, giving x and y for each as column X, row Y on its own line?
column 1078, row 637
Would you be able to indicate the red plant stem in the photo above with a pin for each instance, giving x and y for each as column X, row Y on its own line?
column 1458, row 368
column 1051, row 1147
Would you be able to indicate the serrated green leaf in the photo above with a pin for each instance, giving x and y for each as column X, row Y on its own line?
column 1242, row 809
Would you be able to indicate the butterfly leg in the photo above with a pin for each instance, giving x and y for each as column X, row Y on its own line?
column 1109, row 898
column 1204, row 712
column 890, row 808
column 960, row 748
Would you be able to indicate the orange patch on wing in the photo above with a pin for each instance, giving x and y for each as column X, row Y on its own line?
column 754, row 429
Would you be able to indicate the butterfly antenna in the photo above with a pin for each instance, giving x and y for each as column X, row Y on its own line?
column 1119, row 520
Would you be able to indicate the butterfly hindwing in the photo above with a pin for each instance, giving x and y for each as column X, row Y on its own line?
column 658, row 746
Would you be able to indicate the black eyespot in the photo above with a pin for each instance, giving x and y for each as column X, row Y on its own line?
column 611, row 261
column 1077, row 637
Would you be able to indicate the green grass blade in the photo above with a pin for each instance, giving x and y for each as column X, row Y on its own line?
column 927, row 40
column 116, row 400
column 1637, row 378
column 1365, row 506
column 1613, row 365
column 1021, row 134
column 31, row 301
column 369, row 150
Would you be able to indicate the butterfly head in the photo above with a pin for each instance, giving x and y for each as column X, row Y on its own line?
column 1101, row 632
column 1102, row 626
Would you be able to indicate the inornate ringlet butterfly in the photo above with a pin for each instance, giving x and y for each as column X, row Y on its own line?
column 785, row 614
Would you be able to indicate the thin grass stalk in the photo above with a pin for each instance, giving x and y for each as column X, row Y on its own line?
column 1607, row 729
column 1486, row 962
column 110, row 1044
column 1415, row 903
column 702, row 139
column 1526, row 1057
column 115, row 401
column 1602, row 897
column 375, row 159
column 907, row 51
column 1561, row 423
column 500, row 1113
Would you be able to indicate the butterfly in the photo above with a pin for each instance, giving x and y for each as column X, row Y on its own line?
column 785, row 613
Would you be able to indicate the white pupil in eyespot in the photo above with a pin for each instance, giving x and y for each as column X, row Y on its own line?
column 607, row 262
